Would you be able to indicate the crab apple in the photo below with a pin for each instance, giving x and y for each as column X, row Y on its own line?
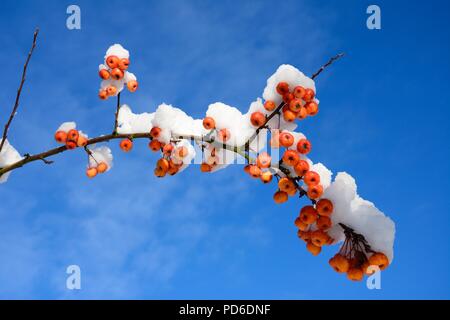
column 290, row 157
column 103, row 94
column 319, row 238
column 301, row 167
column 339, row 263
column 126, row 145
column 323, row 223
column 254, row 171
column 303, row 146
column 155, row 132
column 263, row 160
column 379, row 259
column 71, row 144
column 280, row 197
column 299, row 92
column 295, row 105
column 173, row 168
column 355, row 274
column 269, row 105
column 313, row 249
column 132, row 85
column 154, row 145
column 286, row 139
column 311, row 178
column 61, row 136
column 111, row 90
column 123, row 63
column 292, row 192
column 309, row 95
column 159, row 172
column 112, row 61
column 224, row 135
column 102, row 167
column 181, row 152
column 209, row 123
column 302, row 113
column 301, row 225
column 91, row 172
column 257, row 119
column 312, row 108
column 162, row 164
column 73, row 135
column 287, row 98
column 117, row 74
column 167, row 149
column 315, row 192
column 282, row 88
column 266, row 177
column 204, row 167
column 247, row 168
column 289, row 116
column 324, row 207
column 82, row 141
column 286, row 185
column 308, row 214
column 104, row 74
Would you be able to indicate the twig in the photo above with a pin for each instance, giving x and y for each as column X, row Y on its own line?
column 333, row 59
column 19, row 91
column 116, row 118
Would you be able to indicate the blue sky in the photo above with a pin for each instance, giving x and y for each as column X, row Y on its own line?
column 384, row 119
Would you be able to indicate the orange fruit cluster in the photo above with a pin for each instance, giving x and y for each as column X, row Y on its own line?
column 71, row 138
column 115, row 70
column 92, row 171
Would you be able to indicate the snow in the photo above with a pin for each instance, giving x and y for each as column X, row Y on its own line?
column 66, row 126
column 99, row 155
column 117, row 50
column 129, row 122
column 8, row 156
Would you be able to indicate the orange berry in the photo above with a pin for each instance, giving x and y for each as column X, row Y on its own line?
column 154, row 145
column 117, row 74
column 124, row 63
column 315, row 192
column 266, row 177
column 355, row 274
column 91, row 172
column 301, row 167
column 299, row 92
column 247, row 168
column 315, row 250
column 286, row 139
column 126, row 145
column 339, row 263
column 312, row 108
column 311, row 178
column 289, row 116
column 204, row 167
column 323, row 222
column 181, row 152
column 103, row 94
column 324, row 207
column 82, row 141
column 167, row 149
column 71, row 144
column 379, row 259
column 224, row 135
column 287, row 98
column 269, row 105
column 302, row 113
column 280, row 197
column 295, row 105
column 257, row 119
column 61, row 136
column 254, row 171
column 263, row 160
column 309, row 95
column 308, row 214
column 301, row 225
column 112, row 61
column 132, row 85
column 159, row 172
column 303, row 146
column 73, row 135
column 209, row 123
column 104, row 74
column 102, row 167
column 111, row 90
column 162, row 164
column 155, row 132
column 282, row 88
column 286, row 185
column 173, row 168
column 319, row 238
column 290, row 157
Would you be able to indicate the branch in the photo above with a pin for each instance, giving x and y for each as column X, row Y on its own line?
column 117, row 114
column 19, row 91
column 333, row 59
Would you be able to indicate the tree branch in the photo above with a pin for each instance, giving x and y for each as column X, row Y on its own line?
column 19, row 91
column 333, row 59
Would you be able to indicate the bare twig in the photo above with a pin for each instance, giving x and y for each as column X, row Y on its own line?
column 19, row 91
column 117, row 114
column 333, row 59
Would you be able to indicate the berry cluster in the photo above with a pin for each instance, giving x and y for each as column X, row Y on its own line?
column 72, row 138
column 99, row 167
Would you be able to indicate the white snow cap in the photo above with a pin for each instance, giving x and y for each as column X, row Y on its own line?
column 8, row 156
column 99, row 155
column 118, row 51
column 289, row 74
column 67, row 126
column 360, row 215
column 129, row 122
